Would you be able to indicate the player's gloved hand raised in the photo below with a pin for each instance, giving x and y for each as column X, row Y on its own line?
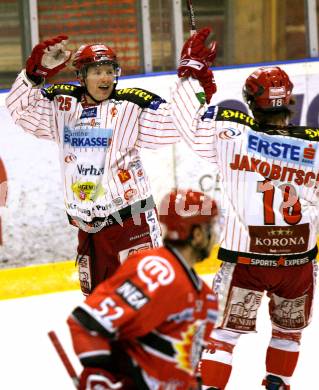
column 48, row 58
column 196, row 59
column 97, row 378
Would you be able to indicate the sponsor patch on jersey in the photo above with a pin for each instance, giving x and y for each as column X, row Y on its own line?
column 139, row 96
column 154, row 228
column 132, row 295
column 87, row 123
column 284, row 149
column 130, row 193
column 140, row 173
column 289, row 313
column 145, row 95
column 155, row 271
column 229, row 133
column 279, row 239
column 124, row 254
column 84, row 274
column 226, row 114
column 62, row 89
column 137, row 164
column 118, row 201
column 87, row 191
column 113, row 112
column 89, row 112
column 312, row 133
column 92, row 138
column 70, row 158
column 124, row 175
column 242, row 309
column 281, row 262
column 89, row 170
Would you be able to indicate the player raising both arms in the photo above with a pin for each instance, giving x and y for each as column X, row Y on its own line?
column 269, row 172
column 99, row 130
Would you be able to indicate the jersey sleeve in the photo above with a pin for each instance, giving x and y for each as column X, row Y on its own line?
column 156, row 126
column 194, row 121
column 30, row 109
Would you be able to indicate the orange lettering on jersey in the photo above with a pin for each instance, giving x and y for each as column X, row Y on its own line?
column 123, row 175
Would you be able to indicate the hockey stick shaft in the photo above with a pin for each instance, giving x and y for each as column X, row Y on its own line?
column 191, row 15
column 64, row 357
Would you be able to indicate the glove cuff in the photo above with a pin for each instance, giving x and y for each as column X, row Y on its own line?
column 193, row 63
column 36, row 80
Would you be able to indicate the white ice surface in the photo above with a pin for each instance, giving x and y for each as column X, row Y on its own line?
column 29, row 362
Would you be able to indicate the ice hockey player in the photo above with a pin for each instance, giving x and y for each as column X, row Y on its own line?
column 145, row 327
column 269, row 173
column 99, row 131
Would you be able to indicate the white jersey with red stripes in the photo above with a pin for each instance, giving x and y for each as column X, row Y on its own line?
column 99, row 145
column 270, row 176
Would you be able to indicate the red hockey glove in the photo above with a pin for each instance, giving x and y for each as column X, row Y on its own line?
column 196, row 59
column 96, row 378
column 48, row 58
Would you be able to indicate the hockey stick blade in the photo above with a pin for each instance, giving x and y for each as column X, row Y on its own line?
column 64, row 357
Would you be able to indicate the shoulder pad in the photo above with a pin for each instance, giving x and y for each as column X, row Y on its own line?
column 303, row 132
column 62, row 89
column 228, row 114
column 139, row 96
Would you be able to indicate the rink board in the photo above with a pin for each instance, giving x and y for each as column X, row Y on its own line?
column 63, row 276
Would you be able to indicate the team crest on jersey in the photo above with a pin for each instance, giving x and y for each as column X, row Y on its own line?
column 285, row 149
column 155, row 271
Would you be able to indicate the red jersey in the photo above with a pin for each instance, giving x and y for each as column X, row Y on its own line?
column 157, row 312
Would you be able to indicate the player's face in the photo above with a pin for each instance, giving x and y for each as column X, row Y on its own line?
column 202, row 243
column 100, row 82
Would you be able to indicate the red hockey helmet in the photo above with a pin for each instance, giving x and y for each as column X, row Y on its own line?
column 180, row 210
column 268, row 88
column 94, row 54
